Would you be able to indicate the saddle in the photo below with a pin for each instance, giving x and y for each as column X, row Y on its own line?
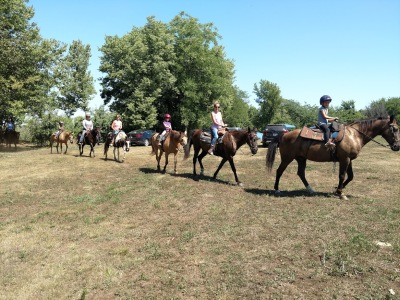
column 206, row 136
column 316, row 134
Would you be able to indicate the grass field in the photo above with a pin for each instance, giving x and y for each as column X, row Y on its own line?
column 84, row 228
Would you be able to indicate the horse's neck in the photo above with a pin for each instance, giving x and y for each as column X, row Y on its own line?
column 369, row 130
column 240, row 138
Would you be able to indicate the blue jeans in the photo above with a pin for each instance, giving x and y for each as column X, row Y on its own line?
column 214, row 136
column 82, row 136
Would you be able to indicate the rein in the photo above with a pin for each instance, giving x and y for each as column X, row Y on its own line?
column 380, row 144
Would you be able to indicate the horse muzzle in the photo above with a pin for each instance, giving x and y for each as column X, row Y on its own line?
column 395, row 147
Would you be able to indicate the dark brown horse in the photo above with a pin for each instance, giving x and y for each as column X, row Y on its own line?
column 173, row 141
column 231, row 142
column 91, row 139
column 293, row 147
column 63, row 138
column 120, row 141
column 11, row 137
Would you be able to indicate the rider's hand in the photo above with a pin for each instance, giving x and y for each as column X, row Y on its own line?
column 336, row 119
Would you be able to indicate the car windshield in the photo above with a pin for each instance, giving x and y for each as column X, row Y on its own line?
column 276, row 127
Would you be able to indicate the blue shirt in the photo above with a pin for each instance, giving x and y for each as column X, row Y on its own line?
column 321, row 119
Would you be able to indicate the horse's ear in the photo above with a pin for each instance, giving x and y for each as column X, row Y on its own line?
column 248, row 129
column 392, row 119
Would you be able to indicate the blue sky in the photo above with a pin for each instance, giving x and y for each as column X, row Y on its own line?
column 348, row 49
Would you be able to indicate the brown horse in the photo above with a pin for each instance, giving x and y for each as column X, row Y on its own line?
column 172, row 143
column 63, row 138
column 11, row 137
column 91, row 139
column 231, row 142
column 120, row 141
column 356, row 135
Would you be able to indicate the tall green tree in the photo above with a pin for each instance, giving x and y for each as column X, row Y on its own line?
column 29, row 64
column 74, row 81
column 238, row 114
column 202, row 71
column 269, row 98
column 177, row 68
column 138, row 72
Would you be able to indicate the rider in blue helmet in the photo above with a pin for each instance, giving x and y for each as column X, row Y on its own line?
column 324, row 120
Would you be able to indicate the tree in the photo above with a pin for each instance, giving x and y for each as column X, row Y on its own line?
column 347, row 112
column 74, row 82
column 269, row 98
column 29, row 64
column 238, row 114
column 203, row 74
column 137, row 68
column 177, row 68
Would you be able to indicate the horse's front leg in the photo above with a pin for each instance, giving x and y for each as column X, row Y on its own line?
column 175, row 162
column 66, row 148
column 159, row 154
column 57, row 148
column 220, row 166
column 350, row 174
column 234, row 171
column 344, row 165
column 92, row 150
column 166, row 162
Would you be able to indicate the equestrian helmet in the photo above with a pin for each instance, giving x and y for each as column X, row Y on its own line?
column 325, row 98
column 167, row 116
column 87, row 115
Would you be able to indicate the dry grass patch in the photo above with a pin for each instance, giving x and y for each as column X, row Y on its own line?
column 77, row 227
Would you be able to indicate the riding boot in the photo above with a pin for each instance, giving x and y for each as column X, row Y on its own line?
column 211, row 150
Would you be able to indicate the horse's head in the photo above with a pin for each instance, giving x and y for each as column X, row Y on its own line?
column 391, row 134
column 71, row 138
column 183, row 138
column 252, row 140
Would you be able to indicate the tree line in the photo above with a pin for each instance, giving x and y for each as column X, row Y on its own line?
column 178, row 67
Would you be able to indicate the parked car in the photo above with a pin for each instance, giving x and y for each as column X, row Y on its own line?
column 233, row 128
column 273, row 131
column 140, row 137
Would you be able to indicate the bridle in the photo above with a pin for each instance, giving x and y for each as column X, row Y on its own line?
column 372, row 139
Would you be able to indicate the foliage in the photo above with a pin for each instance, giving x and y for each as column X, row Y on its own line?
column 384, row 107
column 238, row 114
column 269, row 97
column 347, row 112
column 74, row 82
column 39, row 129
column 29, row 65
column 177, row 68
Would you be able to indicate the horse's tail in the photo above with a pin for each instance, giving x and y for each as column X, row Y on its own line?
column 153, row 144
column 187, row 146
column 270, row 158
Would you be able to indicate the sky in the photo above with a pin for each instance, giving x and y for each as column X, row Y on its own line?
column 347, row 49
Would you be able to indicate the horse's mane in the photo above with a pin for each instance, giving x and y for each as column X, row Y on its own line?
column 366, row 123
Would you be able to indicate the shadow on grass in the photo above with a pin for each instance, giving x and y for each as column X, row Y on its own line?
column 19, row 148
column 291, row 194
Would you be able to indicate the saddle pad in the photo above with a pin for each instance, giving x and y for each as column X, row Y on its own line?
column 308, row 133
column 206, row 138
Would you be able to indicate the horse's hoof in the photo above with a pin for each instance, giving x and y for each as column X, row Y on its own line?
column 277, row 193
column 239, row 183
column 343, row 197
